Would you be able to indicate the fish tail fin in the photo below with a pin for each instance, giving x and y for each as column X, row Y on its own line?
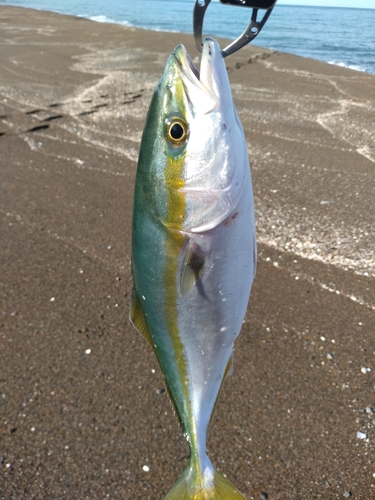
column 191, row 487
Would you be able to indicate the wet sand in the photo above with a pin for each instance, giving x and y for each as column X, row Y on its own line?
column 81, row 410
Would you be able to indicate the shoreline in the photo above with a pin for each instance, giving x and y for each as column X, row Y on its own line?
column 105, row 19
column 81, row 410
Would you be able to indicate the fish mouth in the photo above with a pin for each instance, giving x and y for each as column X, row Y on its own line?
column 186, row 64
column 211, row 77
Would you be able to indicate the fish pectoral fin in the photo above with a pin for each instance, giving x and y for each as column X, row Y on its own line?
column 136, row 316
column 191, row 270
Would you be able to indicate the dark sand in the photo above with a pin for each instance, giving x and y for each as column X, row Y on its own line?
column 73, row 425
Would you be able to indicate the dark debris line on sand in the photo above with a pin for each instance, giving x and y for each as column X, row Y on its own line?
column 81, row 411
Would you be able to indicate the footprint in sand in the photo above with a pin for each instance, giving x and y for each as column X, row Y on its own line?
column 53, row 117
column 38, row 127
column 87, row 112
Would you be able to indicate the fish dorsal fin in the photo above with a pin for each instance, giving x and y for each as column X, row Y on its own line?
column 137, row 317
column 192, row 268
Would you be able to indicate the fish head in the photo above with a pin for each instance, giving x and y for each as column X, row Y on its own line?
column 195, row 142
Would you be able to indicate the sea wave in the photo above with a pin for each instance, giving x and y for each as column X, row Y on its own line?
column 339, row 42
column 105, row 19
column 355, row 67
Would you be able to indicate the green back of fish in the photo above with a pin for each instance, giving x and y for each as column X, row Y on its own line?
column 156, row 246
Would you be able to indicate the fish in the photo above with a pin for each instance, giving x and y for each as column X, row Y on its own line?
column 193, row 248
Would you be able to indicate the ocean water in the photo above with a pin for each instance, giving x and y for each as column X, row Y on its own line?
column 339, row 36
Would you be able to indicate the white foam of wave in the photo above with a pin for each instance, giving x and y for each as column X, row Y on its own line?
column 105, row 19
column 355, row 67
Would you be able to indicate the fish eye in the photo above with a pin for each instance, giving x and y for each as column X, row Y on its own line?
column 177, row 131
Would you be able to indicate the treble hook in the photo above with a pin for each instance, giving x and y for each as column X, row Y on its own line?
column 250, row 32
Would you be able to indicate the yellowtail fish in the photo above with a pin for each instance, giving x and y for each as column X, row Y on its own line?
column 193, row 248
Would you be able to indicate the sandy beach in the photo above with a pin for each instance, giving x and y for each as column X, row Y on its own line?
column 82, row 409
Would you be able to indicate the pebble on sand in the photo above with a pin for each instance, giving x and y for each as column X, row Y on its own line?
column 365, row 370
column 361, row 435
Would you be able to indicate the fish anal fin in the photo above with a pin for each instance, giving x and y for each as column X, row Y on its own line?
column 137, row 317
column 192, row 268
column 228, row 372
column 229, row 368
